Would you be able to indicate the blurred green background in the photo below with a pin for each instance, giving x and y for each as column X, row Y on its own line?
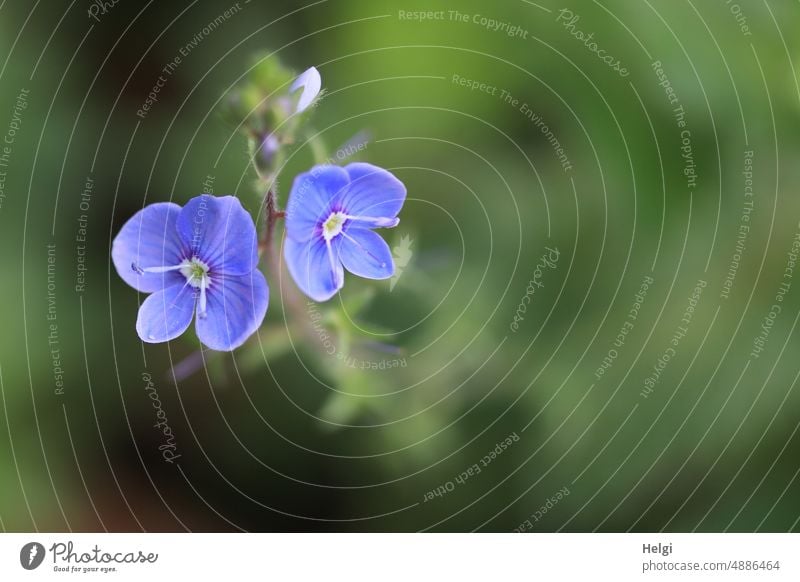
column 284, row 435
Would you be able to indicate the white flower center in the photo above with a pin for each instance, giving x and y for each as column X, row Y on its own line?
column 333, row 225
column 196, row 272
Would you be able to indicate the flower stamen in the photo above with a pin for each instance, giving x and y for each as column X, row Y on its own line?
column 376, row 222
column 142, row 271
column 332, row 259
column 201, row 308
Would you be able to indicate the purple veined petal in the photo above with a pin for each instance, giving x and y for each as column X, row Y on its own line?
column 149, row 239
column 364, row 253
column 236, row 307
column 311, row 82
column 373, row 192
column 166, row 314
column 311, row 198
column 314, row 266
column 220, row 232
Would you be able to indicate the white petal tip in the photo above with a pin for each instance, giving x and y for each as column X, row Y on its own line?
column 311, row 82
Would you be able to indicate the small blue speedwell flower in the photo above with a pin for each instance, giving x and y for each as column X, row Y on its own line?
column 329, row 221
column 202, row 257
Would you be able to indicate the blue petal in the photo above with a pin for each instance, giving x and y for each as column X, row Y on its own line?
column 365, row 254
column 373, row 192
column 149, row 239
column 221, row 233
column 310, row 200
column 311, row 82
column 166, row 314
column 316, row 271
column 236, row 308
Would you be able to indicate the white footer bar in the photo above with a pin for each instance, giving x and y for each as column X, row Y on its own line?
column 401, row 557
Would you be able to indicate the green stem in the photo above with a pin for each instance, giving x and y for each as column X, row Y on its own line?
column 318, row 149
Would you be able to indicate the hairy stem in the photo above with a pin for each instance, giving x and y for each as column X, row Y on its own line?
column 271, row 216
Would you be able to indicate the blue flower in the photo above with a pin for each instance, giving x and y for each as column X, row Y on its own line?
column 202, row 257
column 329, row 221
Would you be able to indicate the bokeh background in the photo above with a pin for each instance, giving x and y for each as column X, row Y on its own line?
column 392, row 429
